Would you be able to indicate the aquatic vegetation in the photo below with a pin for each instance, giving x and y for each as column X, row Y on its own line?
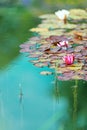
column 62, row 15
column 68, row 59
column 61, row 44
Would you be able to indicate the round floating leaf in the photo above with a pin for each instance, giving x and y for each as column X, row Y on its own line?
column 46, row 16
column 78, row 14
column 46, row 73
column 78, row 48
column 24, row 50
column 44, row 50
column 39, row 30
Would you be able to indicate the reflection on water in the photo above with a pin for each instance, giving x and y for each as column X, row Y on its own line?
column 30, row 101
column 21, row 106
column 75, row 101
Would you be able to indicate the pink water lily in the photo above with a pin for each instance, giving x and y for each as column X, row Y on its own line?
column 68, row 59
column 63, row 44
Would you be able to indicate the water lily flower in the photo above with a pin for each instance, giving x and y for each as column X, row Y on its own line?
column 63, row 44
column 68, row 59
column 62, row 15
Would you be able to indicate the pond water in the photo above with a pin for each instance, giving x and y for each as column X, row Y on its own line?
column 30, row 101
column 26, row 98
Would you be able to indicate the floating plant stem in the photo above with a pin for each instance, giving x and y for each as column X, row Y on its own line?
column 56, row 89
column 75, row 101
column 21, row 106
column 21, row 115
column 65, row 19
column 21, row 95
column 57, row 94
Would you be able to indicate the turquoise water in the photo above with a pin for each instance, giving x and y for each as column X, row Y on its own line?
column 28, row 100
column 35, row 109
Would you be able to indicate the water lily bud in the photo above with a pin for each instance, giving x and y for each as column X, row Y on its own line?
column 68, row 59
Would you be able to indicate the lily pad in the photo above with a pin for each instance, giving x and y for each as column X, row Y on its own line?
column 78, row 14
column 44, row 49
column 46, row 73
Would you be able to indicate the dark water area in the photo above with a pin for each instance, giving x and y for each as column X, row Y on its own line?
column 28, row 100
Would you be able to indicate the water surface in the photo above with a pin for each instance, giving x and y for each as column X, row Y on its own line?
column 28, row 100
